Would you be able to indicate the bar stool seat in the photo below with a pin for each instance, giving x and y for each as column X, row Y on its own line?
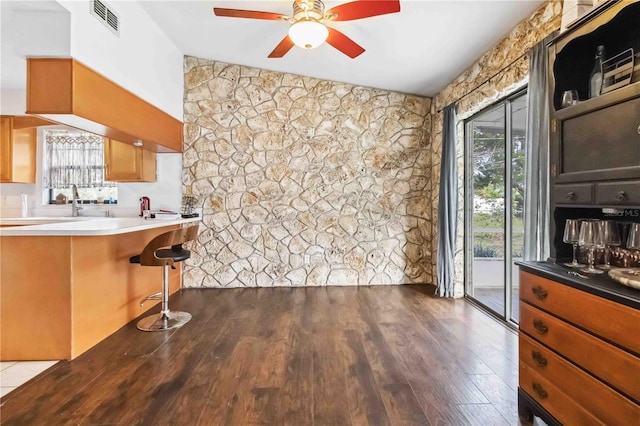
column 155, row 253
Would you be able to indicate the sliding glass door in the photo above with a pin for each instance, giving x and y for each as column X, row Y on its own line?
column 494, row 201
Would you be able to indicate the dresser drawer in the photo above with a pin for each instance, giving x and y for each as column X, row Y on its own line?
column 614, row 322
column 553, row 399
column 605, row 361
column 600, row 400
column 579, row 193
column 618, row 193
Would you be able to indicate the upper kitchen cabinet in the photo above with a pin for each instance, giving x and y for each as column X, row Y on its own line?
column 18, row 148
column 128, row 163
column 595, row 143
column 68, row 92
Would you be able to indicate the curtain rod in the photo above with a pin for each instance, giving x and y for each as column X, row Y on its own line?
column 487, row 80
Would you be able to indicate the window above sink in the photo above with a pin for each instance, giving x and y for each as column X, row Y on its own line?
column 73, row 157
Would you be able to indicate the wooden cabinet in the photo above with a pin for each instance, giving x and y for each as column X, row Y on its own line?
column 578, row 193
column 624, row 192
column 128, row 163
column 578, row 355
column 18, row 149
column 588, row 138
column 6, row 149
column 68, row 92
column 597, row 140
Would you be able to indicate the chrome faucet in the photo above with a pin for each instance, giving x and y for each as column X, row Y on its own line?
column 75, row 207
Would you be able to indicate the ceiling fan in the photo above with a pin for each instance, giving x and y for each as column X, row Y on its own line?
column 308, row 29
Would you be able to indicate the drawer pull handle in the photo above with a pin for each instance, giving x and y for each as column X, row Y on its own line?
column 538, row 389
column 539, row 292
column 621, row 196
column 571, row 196
column 540, row 360
column 540, row 326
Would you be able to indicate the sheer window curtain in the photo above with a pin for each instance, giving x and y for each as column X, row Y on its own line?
column 536, row 201
column 447, row 206
column 74, row 159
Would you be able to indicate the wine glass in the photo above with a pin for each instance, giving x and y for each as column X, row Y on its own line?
column 571, row 234
column 591, row 238
column 611, row 238
column 633, row 239
column 633, row 243
column 569, row 97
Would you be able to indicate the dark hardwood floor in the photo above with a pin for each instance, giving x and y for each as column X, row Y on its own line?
column 387, row 355
column 493, row 298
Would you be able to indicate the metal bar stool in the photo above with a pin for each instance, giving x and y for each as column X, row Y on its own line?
column 155, row 253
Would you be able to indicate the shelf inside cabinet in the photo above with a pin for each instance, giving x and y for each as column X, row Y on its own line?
column 573, row 55
column 583, row 107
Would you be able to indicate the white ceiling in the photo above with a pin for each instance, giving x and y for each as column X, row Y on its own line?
column 419, row 50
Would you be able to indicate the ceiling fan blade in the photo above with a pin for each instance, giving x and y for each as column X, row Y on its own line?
column 251, row 14
column 282, row 48
column 344, row 43
column 363, row 9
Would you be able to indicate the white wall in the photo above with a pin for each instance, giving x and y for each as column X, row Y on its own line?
column 13, row 102
column 143, row 59
column 166, row 193
column 34, row 28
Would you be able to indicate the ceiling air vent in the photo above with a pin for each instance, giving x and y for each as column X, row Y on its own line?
column 105, row 14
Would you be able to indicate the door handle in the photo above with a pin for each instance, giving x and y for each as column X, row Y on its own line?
column 539, row 292
column 539, row 359
column 621, row 196
column 540, row 326
column 539, row 390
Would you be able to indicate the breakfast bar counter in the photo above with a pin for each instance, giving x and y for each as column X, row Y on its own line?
column 66, row 283
column 82, row 226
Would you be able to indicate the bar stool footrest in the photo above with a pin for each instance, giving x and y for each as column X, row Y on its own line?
column 154, row 296
column 164, row 321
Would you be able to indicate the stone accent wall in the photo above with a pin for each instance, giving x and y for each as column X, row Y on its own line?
column 304, row 181
column 524, row 36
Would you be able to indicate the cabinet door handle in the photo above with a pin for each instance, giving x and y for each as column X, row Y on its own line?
column 639, row 130
column 571, row 196
column 539, row 359
column 539, row 292
column 621, row 196
column 539, row 390
column 540, row 326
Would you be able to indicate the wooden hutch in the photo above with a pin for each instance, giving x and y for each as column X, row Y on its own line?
column 579, row 335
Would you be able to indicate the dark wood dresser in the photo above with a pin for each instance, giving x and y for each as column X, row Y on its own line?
column 579, row 348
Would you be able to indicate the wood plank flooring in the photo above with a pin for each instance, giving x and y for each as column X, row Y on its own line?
column 493, row 298
column 386, row 355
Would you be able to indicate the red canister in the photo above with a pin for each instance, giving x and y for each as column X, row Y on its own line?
column 145, row 204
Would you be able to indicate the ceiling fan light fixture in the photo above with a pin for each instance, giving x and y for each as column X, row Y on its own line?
column 308, row 33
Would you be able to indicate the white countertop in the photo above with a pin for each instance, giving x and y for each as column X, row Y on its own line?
column 82, row 226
